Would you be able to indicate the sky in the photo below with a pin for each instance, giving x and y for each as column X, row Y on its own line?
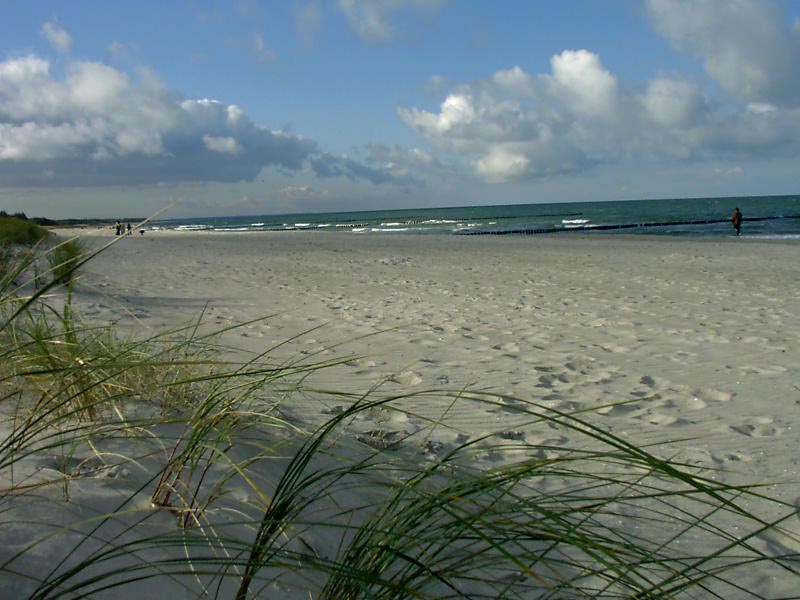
column 199, row 108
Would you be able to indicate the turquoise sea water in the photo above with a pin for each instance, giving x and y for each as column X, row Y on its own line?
column 764, row 217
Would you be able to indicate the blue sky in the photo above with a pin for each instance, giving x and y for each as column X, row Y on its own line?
column 118, row 109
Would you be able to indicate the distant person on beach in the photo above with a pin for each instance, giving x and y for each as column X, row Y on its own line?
column 736, row 219
column 128, row 226
column 118, row 228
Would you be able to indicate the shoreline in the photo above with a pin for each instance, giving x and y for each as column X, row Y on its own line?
column 108, row 232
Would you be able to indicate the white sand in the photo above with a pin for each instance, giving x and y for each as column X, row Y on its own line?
column 705, row 332
column 698, row 337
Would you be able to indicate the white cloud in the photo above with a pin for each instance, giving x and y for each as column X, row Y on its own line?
column 515, row 80
column 412, row 166
column 673, row 103
column 223, row 145
column 580, row 78
column 97, row 125
column 500, row 163
column 59, row 39
column 747, row 46
column 370, row 18
column 515, row 125
column 328, row 165
column 457, row 110
column 95, row 110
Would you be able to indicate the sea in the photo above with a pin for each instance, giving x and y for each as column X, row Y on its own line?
column 772, row 217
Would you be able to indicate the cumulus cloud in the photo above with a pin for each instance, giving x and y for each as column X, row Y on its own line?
column 514, row 80
column 747, row 46
column 328, row 165
column 515, row 125
column 380, row 164
column 370, row 18
column 674, row 103
column 58, row 38
column 580, row 78
column 96, row 125
column 225, row 145
column 501, row 163
column 412, row 166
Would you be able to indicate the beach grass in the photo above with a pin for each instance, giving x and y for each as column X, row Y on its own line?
column 153, row 465
column 14, row 230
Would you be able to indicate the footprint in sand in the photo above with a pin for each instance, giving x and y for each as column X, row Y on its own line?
column 447, row 328
column 509, row 349
column 363, row 363
column 702, row 396
column 763, row 369
column 614, row 348
column 647, row 387
column 663, row 420
column 632, row 410
column 696, row 457
column 547, row 381
column 679, row 357
column 687, row 403
column 731, row 457
column 653, row 382
column 758, row 426
column 406, row 378
column 511, row 435
column 786, row 537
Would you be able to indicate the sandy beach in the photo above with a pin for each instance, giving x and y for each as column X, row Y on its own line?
column 699, row 338
column 688, row 348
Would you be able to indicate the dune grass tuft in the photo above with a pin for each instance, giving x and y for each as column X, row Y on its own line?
column 15, row 231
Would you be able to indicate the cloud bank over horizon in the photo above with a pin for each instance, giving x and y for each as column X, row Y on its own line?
column 98, row 126
column 516, row 125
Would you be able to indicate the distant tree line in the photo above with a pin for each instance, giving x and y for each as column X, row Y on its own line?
column 19, row 215
column 23, row 217
column 62, row 222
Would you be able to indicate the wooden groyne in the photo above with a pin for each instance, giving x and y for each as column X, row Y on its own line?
column 585, row 228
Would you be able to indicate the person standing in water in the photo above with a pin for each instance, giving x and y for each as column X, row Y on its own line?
column 736, row 219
